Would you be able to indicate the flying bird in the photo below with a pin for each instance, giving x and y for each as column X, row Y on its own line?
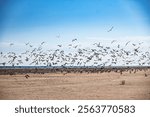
column 127, row 43
column 27, row 76
column 133, row 44
column 11, row 44
column 59, row 45
column 42, row 43
column 27, row 43
column 110, row 29
column 113, row 41
column 74, row 40
column 30, row 46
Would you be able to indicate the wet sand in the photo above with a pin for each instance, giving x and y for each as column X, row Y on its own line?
column 75, row 86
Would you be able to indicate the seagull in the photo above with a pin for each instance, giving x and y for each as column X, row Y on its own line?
column 113, row 41
column 74, row 40
column 27, row 43
column 127, row 43
column 42, row 43
column 70, row 45
column 30, row 46
column 76, row 46
column 59, row 45
column 134, row 44
column 110, row 29
column 4, row 63
column 11, row 44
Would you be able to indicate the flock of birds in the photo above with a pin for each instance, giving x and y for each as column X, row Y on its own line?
column 98, row 55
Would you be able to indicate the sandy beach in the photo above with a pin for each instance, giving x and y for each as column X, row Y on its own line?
column 76, row 86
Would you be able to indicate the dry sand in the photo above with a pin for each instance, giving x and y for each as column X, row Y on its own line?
column 76, row 86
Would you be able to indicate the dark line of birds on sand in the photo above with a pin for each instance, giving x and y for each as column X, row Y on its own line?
column 98, row 56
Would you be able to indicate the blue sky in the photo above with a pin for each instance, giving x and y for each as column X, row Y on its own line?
column 43, row 20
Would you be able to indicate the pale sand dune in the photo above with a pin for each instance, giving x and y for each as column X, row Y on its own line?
column 76, row 86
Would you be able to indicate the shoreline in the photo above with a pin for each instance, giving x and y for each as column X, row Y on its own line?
column 13, row 71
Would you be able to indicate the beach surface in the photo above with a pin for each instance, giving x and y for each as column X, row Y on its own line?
column 76, row 86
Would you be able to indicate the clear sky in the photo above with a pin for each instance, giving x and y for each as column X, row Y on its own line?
column 26, row 20
column 34, row 21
